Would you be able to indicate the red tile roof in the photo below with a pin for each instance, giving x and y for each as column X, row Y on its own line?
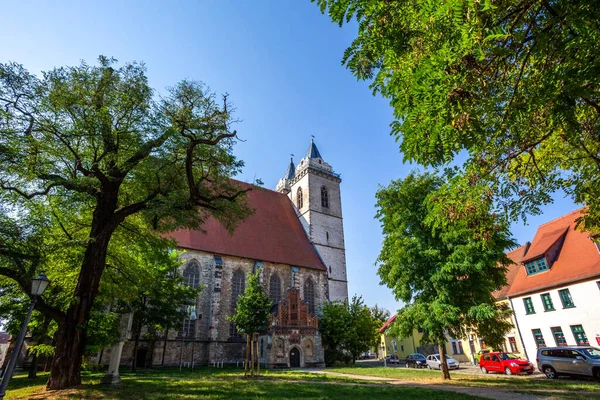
column 544, row 243
column 577, row 260
column 387, row 323
column 273, row 233
column 511, row 271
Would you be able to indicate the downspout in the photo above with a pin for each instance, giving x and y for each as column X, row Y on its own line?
column 518, row 328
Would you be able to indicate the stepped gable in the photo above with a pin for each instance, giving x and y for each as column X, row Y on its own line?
column 273, row 233
column 577, row 259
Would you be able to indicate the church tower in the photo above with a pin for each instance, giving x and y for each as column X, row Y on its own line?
column 314, row 189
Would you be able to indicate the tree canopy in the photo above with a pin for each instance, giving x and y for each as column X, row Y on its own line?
column 509, row 89
column 347, row 327
column 443, row 270
column 95, row 157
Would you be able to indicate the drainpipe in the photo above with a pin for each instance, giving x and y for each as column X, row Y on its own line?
column 518, row 328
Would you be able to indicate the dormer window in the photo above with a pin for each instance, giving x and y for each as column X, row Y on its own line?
column 536, row 266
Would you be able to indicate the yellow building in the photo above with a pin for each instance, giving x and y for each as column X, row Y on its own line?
column 402, row 347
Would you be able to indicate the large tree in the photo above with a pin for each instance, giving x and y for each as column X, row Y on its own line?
column 347, row 327
column 97, row 141
column 443, row 269
column 508, row 88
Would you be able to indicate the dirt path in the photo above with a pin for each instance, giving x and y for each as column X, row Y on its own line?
column 490, row 393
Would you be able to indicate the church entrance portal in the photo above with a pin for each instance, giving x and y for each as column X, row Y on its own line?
column 294, row 358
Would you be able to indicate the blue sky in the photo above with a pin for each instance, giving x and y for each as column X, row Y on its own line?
column 280, row 62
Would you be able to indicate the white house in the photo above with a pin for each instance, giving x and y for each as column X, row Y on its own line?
column 555, row 294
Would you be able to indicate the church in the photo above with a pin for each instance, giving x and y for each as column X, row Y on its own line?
column 295, row 238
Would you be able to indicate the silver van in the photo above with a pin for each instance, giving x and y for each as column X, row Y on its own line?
column 569, row 360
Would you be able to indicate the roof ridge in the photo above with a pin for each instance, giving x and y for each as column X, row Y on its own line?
column 561, row 217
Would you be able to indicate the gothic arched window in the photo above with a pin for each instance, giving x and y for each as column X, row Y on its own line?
column 238, row 285
column 309, row 294
column 275, row 288
column 299, row 198
column 191, row 274
column 324, row 197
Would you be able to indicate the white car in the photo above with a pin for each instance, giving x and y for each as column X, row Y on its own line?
column 433, row 362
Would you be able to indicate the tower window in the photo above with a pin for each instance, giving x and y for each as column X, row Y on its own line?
column 327, row 235
column 324, row 197
column 299, row 198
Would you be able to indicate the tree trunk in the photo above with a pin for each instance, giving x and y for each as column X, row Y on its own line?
column 247, row 359
column 443, row 361
column 33, row 368
column 252, row 357
column 257, row 357
column 162, row 362
column 152, row 347
column 70, row 336
column 136, row 343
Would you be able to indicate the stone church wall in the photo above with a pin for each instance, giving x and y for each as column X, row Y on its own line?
column 213, row 308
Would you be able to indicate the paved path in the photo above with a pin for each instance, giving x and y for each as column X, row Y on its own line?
column 490, row 393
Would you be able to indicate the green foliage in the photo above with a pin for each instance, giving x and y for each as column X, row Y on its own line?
column 347, row 328
column 381, row 315
column 94, row 167
column 253, row 307
column 513, row 85
column 443, row 268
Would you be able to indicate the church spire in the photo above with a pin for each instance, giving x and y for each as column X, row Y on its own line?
column 291, row 169
column 313, row 152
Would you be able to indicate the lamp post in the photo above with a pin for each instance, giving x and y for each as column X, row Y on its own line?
column 38, row 285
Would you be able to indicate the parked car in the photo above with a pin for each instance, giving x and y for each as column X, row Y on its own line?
column 392, row 359
column 572, row 360
column 416, row 360
column 434, row 362
column 504, row 362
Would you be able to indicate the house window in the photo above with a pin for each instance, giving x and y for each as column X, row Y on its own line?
column 539, row 338
column 580, row 336
column 482, row 345
column 503, row 345
column 472, row 346
column 395, row 346
column 299, row 198
column 420, row 330
column 324, row 197
column 454, row 348
column 547, row 301
column 402, row 347
column 275, row 288
column 536, row 266
column 598, row 283
column 528, row 305
column 559, row 337
column 309, row 295
column 460, row 348
column 191, row 274
column 238, row 286
column 513, row 344
column 565, row 297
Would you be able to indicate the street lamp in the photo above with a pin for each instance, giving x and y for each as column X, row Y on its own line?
column 38, row 285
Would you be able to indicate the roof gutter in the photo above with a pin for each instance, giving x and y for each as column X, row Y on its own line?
column 554, row 285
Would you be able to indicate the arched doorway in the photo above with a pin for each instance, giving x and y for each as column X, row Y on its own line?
column 294, row 358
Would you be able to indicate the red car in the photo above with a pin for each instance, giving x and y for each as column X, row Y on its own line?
column 504, row 362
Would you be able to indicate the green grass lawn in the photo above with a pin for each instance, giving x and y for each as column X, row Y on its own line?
column 210, row 383
column 522, row 382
